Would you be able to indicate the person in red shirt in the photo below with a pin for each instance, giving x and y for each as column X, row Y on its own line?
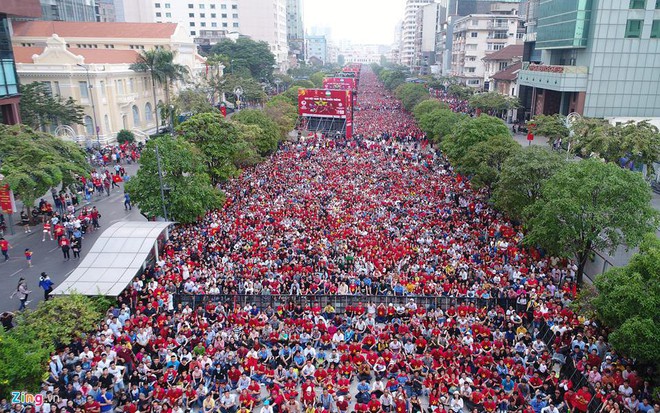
column 92, row 406
column 46, row 230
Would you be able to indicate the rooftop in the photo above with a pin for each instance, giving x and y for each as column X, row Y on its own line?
column 91, row 56
column 507, row 53
column 510, row 73
column 93, row 30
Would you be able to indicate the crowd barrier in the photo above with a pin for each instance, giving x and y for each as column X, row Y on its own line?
column 340, row 302
column 568, row 370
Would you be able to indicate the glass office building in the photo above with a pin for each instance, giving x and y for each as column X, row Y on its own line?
column 68, row 10
column 599, row 58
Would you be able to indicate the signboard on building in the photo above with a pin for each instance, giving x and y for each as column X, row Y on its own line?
column 7, row 202
column 325, row 103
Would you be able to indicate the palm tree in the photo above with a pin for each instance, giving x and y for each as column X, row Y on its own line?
column 160, row 65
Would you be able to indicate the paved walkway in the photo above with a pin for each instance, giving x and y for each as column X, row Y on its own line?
column 48, row 256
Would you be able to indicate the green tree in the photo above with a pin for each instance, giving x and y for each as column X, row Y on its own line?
column 193, row 101
column 245, row 53
column 411, row 94
column 124, row 136
column 392, row 78
column 590, row 205
column 40, row 108
column 427, row 106
column 595, row 138
column 553, row 127
column 252, row 90
column 522, row 178
column 627, row 303
column 222, row 142
column 189, row 191
column 492, row 102
column 151, row 62
column 640, row 142
column 469, row 132
column 33, row 162
column 270, row 131
column 460, row 91
column 317, row 79
column 25, row 350
column 285, row 114
column 484, row 161
column 303, row 83
column 439, row 123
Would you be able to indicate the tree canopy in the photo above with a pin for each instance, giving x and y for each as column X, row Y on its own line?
column 33, row 162
column 469, row 132
column 460, row 91
column 439, row 123
column 266, row 142
column 246, row 54
column 627, row 303
column 553, row 127
column 591, row 205
column 484, row 160
column 492, row 102
column 283, row 112
column 427, row 106
column 194, row 100
column 411, row 94
column 522, row 178
column 189, row 193
column 41, row 108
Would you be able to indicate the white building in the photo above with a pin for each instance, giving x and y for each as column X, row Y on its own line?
column 317, row 48
column 90, row 62
column 477, row 35
column 409, row 30
column 263, row 20
column 429, row 21
column 364, row 53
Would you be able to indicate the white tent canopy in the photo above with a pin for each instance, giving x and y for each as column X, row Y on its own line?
column 117, row 256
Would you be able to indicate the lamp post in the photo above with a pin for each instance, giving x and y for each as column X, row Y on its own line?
column 91, row 97
column 277, row 85
column 238, row 92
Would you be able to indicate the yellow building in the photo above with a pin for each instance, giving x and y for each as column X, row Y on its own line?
column 90, row 62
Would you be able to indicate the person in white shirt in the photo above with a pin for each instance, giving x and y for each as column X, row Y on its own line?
column 456, row 404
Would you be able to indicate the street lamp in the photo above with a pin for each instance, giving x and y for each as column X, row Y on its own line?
column 238, row 92
column 91, row 97
column 277, row 85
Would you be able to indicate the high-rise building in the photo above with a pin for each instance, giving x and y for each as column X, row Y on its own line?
column 295, row 28
column 106, row 11
column 476, row 36
column 317, row 48
column 68, row 10
column 210, row 20
column 596, row 58
column 9, row 90
column 409, row 30
column 429, row 18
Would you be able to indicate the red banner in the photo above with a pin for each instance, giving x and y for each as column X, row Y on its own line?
column 325, row 103
column 7, row 203
column 352, row 68
column 340, row 83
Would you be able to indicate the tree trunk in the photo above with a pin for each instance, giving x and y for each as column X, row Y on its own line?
column 153, row 88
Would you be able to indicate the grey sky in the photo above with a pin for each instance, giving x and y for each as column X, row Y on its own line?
column 360, row 21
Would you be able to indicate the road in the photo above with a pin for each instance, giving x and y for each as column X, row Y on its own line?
column 48, row 256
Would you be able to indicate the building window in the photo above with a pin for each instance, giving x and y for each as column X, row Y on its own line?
column 235, row 15
column 655, row 29
column 84, row 90
column 657, row 4
column 203, row 24
column 131, row 85
column 191, row 15
column 474, row 34
column 212, row 6
column 192, row 24
column 503, row 65
column 167, row 5
column 634, row 29
column 235, row 25
column 158, row 14
column 234, row 6
column 214, row 24
column 202, row 15
column 201, row 6
column 148, row 114
column 101, row 88
column 193, row 33
column 157, row 5
column 224, row 15
column 169, row 15
column 213, row 15
column 136, row 116
column 191, row 6
column 224, row 24
column 89, row 125
column 223, row 6
column 638, row 4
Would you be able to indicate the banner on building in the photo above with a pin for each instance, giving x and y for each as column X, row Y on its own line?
column 7, row 201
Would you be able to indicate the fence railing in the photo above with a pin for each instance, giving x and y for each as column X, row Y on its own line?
column 340, row 302
column 568, row 370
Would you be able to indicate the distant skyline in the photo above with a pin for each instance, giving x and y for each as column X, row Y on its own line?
column 359, row 21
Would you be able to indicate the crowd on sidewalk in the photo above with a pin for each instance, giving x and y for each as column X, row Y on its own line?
column 380, row 214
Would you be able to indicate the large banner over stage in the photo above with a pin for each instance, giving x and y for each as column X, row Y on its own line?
column 325, row 103
column 340, row 83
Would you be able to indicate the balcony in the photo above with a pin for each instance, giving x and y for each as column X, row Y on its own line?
column 554, row 77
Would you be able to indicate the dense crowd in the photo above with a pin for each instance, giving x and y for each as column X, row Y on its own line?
column 381, row 214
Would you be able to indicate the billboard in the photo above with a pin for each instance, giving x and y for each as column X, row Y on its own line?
column 352, row 68
column 340, row 83
column 325, row 103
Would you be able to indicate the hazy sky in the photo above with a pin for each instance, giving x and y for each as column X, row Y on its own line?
column 360, row 21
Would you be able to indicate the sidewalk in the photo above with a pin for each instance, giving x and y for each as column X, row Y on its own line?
column 47, row 254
